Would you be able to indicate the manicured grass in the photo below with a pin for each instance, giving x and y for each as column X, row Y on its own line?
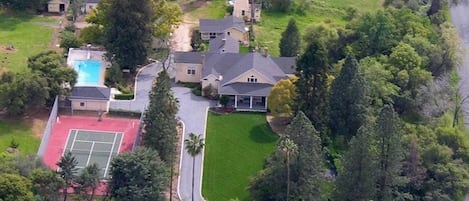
column 331, row 12
column 22, row 134
column 28, row 34
column 236, row 148
column 215, row 9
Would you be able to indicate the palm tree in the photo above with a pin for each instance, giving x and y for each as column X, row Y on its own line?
column 67, row 169
column 289, row 148
column 194, row 146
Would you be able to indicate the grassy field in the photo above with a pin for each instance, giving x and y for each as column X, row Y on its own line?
column 28, row 34
column 330, row 12
column 236, row 147
column 21, row 133
column 204, row 9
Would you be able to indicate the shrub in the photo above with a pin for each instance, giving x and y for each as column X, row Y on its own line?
column 68, row 40
column 197, row 91
column 124, row 96
column 196, row 40
column 124, row 113
column 210, row 92
column 224, row 100
column 92, row 34
column 14, row 144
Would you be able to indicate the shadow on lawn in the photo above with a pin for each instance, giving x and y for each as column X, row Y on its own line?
column 9, row 20
column 262, row 134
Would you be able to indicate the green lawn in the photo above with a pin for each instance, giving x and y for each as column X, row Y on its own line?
column 214, row 9
column 28, row 34
column 236, row 147
column 21, row 133
column 330, row 12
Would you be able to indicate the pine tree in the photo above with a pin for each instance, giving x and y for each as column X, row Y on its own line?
column 390, row 154
column 357, row 180
column 160, row 118
column 349, row 100
column 290, row 42
column 67, row 169
column 309, row 158
column 312, row 87
column 128, row 31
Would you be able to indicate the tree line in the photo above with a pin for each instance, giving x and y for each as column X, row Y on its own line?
column 379, row 95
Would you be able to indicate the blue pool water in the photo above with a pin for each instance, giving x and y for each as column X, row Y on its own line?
column 89, row 72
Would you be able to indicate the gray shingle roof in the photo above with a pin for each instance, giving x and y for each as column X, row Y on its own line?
column 287, row 64
column 248, row 89
column 223, row 44
column 90, row 93
column 218, row 26
column 188, row 57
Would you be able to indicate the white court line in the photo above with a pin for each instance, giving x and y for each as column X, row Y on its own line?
column 73, row 143
column 100, row 142
column 110, row 154
column 89, row 156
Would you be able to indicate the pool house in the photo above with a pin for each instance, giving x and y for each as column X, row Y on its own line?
column 89, row 93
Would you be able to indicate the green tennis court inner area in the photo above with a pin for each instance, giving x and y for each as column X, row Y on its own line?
column 90, row 147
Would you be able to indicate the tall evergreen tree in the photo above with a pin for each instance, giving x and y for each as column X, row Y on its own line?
column 160, row 118
column 358, row 179
column 390, row 154
column 128, row 32
column 349, row 100
column 290, row 42
column 308, row 168
column 138, row 175
column 312, row 85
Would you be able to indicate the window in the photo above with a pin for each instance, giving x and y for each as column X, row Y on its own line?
column 228, row 33
column 213, row 35
column 82, row 104
column 243, row 12
column 191, row 70
column 252, row 79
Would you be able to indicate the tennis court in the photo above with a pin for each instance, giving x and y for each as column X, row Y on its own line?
column 90, row 147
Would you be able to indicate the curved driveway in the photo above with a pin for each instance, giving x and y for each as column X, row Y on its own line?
column 142, row 89
column 193, row 112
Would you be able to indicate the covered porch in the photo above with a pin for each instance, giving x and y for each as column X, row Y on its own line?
column 247, row 96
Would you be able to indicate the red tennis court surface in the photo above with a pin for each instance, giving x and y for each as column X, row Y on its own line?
column 58, row 138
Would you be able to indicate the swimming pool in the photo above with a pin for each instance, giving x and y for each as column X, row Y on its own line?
column 89, row 72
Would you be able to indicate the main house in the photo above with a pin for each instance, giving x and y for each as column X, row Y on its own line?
column 246, row 78
column 247, row 10
column 230, row 25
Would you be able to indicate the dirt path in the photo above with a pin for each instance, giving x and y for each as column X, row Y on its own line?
column 181, row 39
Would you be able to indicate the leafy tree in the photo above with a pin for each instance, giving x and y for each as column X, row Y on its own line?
column 433, row 98
column 93, row 34
column 128, row 27
column 312, row 72
column 196, row 40
column 194, row 145
column 23, row 4
column 115, row 74
column 328, row 35
column 49, row 64
column 88, row 181
column 68, row 40
column 414, row 170
column 308, row 169
column 279, row 5
column 289, row 149
column 26, row 90
column 358, row 179
column 138, row 175
column 67, row 170
column 160, row 118
column 390, row 154
column 14, row 188
column 349, row 100
column 224, row 100
column 166, row 17
column 75, row 6
column 376, row 34
column 379, row 83
column 281, row 97
column 290, row 41
column 46, row 184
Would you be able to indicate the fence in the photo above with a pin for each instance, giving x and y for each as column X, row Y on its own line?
column 49, row 127
column 138, row 139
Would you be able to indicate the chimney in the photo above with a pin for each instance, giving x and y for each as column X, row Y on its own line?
column 203, row 60
column 266, row 52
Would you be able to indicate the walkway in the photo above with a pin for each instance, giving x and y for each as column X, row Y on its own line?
column 143, row 87
column 193, row 112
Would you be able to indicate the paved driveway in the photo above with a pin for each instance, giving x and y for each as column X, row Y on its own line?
column 460, row 18
column 193, row 112
column 143, row 87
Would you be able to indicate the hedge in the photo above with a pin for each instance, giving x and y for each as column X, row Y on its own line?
column 124, row 96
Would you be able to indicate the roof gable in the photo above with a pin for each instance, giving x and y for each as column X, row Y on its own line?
column 223, row 44
column 91, row 93
column 220, row 25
